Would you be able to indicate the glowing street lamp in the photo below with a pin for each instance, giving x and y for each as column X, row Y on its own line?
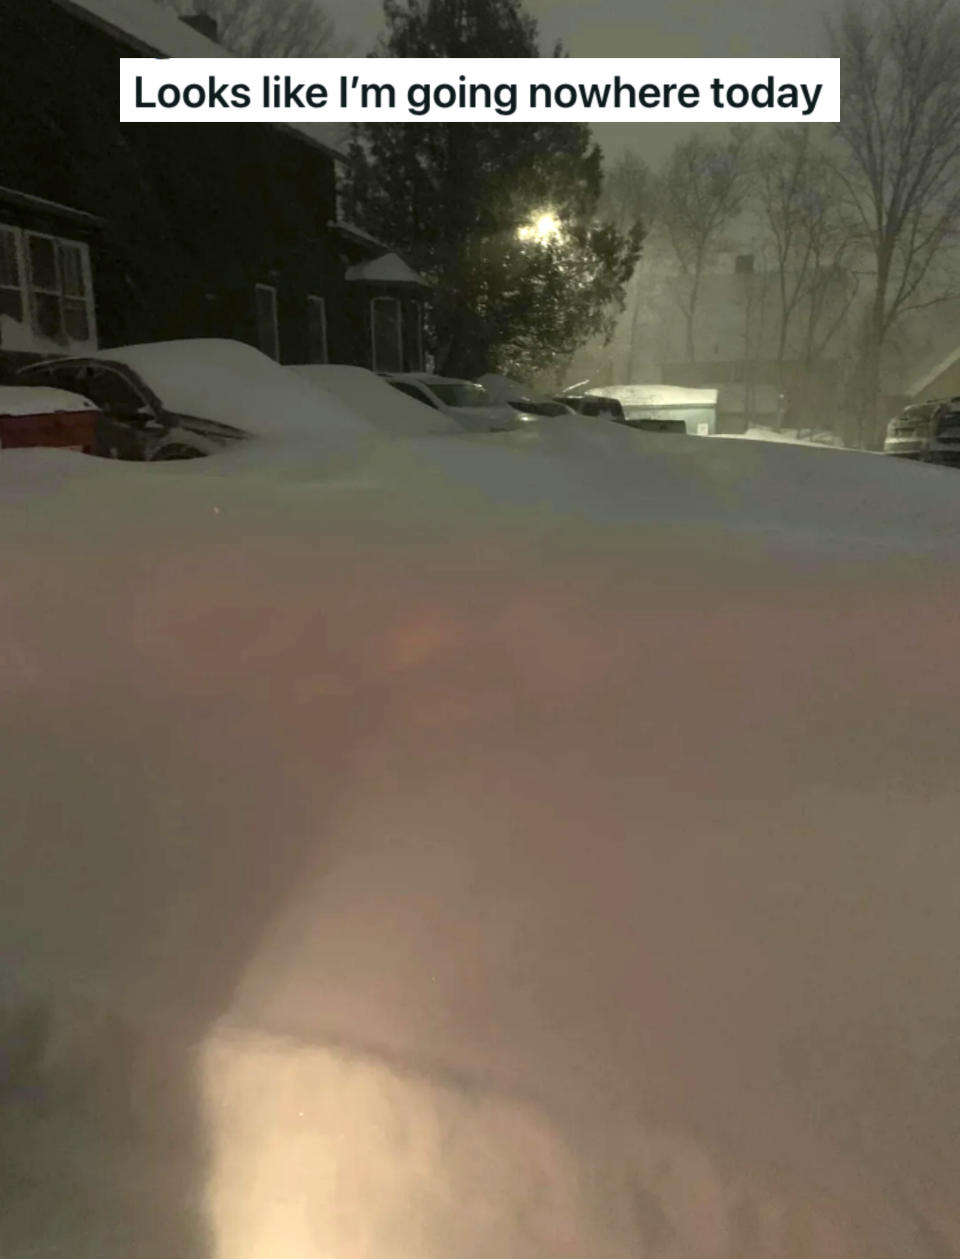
column 544, row 227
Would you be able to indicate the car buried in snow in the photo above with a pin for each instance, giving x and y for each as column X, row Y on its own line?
column 527, row 403
column 175, row 400
column 32, row 416
column 928, row 432
column 464, row 401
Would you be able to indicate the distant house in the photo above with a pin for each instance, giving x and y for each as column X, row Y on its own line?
column 116, row 233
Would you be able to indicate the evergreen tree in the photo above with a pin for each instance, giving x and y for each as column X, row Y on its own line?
column 502, row 216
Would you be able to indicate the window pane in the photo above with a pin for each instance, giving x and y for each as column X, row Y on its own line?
column 317, row 329
column 413, row 392
column 111, row 392
column 267, row 335
column 464, row 395
column 387, row 348
column 46, row 315
column 9, row 270
column 71, row 270
column 43, row 264
column 75, row 320
column 11, row 303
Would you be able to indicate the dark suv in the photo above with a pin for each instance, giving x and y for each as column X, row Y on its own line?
column 593, row 404
column 926, row 431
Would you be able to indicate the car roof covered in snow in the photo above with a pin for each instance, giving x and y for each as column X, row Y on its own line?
column 429, row 378
column 233, row 383
column 39, row 400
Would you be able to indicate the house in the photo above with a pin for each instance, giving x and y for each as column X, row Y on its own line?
column 116, row 233
column 942, row 380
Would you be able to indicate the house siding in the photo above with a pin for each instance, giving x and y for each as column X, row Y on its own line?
column 194, row 216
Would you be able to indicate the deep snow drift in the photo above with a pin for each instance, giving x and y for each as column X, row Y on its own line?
column 544, row 846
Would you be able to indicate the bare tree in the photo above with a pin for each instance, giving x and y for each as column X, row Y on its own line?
column 628, row 198
column 628, row 193
column 811, row 236
column 900, row 164
column 813, row 239
column 268, row 28
column 701, row 191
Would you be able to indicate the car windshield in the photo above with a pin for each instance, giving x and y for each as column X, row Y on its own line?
column 454, row 393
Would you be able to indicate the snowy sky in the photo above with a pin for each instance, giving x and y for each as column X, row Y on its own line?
column 642, row 28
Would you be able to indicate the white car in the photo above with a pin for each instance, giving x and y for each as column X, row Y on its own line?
column 464, row 401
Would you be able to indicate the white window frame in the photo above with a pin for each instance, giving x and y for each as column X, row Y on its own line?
column 20, row 289
column 272, row 290
column 28, row 290
column 385, row 297
column 418, row 308
column 315, row 302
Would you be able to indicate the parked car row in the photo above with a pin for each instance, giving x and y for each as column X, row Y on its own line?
column 187, row 399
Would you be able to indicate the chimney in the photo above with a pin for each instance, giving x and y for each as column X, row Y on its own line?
column 202, row 23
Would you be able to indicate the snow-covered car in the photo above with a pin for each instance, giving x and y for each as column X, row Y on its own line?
column 528, row 403
column 666, row 408
column 592, row 404
column 173, row 400
column 462, row 400
column 391, row 411
column 37, row 416
column 926, row 431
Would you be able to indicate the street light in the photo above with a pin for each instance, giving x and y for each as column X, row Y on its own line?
column 542, row 228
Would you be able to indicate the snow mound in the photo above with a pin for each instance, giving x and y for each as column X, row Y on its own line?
column 389, row 410
column 531, row 847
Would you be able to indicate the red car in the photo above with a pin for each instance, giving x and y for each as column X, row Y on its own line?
column 47, row 417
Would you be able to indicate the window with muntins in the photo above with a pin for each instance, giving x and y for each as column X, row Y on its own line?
column 386, row 334
column 46, row 286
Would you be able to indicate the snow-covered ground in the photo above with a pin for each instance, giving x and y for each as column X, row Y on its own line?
column 536, row 846
column 790, row 436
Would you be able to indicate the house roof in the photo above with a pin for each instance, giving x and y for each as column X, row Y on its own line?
column 387, row 269
column 13, row 196
column 150, row 28
column 357, row 235
column 922, row 383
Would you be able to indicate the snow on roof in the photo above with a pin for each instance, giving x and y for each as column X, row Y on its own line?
column 39, row 400
column 386, row 408
column 152, row 28
column 232, row 383
column 924, row 382
column 658, row 395
column 388, row 269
